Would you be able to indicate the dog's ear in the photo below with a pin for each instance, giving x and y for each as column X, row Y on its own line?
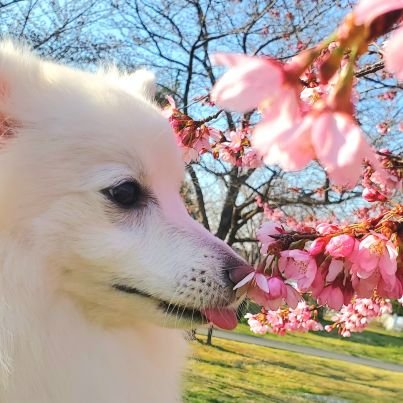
column 139, row 83
column 19, row 80
column 8, row 127
column 143, row 82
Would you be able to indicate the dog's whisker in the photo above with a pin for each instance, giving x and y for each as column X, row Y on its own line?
column 169, row 305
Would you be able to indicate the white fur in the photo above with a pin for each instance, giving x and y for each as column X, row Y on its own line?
column 66, row 335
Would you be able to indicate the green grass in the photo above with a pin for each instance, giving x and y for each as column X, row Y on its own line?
column 237, row 372
column 373, row 343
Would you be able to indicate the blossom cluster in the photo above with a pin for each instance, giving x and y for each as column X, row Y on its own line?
column 193, row 137
column 379, row 185
column 307, row 112
column 332, row 263
column 307, row 105
column 301, row 319
column 355, row 316
column 237, row 150
column 307, row 108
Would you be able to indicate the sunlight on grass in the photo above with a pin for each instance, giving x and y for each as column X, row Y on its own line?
column 231, row 371
column 373, row 343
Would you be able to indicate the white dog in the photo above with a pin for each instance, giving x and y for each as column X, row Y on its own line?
column 99, row 261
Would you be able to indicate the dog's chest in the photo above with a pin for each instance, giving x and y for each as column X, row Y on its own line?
column 76, row 362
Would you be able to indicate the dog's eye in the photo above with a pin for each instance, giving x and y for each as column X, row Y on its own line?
column 126, row 194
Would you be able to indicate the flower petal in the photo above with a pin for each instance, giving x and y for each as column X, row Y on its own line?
column 249, row 81
column 261, row 281
column 367, row 10
column 335, row 268
column 394, row 54
column 248, row 278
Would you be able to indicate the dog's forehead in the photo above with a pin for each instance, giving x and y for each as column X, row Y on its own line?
column 132, row 131
column 149, row 141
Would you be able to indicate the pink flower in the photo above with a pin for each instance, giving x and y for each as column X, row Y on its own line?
column 248, row 81
column 189, row 154
column 277, row 293
column 340, row 147
column 385, row 182
column 318, row 283
column 310, row 95
column 256, row 326
column 394, row 54
column 340, row 246
column 191, row 136
column 277, row 287
column 355, row 316
column 261, row 82
column 265, row 232
column 375, row 252
column 281, row 321
column 298, row 265
column 251, row 160
column 364, row 288
column 259, row 296
column 317, row 246
column 367, row 10
column 257, row 278
column 236, row 140
column 335, row 268
column 372, row 195
column 331, row 296
column 282, row 138
column 293, row 297
column 326, row 229
column 333, row 138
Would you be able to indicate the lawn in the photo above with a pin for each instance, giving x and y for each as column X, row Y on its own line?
column 237, row 372
column 373, row 343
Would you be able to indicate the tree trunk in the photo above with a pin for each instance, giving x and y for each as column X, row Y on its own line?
column 209, row 335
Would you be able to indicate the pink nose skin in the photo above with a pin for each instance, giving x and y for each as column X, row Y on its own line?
column 239, row 273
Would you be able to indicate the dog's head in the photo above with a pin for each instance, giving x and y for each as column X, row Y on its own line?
column 90, row 176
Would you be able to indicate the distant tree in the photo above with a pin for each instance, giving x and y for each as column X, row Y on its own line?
column 177, row 39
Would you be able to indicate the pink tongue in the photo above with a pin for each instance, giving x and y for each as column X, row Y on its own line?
column 223, row 318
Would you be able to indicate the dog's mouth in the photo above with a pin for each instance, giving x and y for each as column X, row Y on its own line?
column 223, row 317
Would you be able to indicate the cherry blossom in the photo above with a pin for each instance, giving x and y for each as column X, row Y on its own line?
column 298, row 265
column 374, row 253
column 372, row 195
column 367, row 10
column 394, row 54
column 301, row 319
column 247, row 83
column 317, row 246
column 356, row 316
column 341, row 147
column 340, row 246
column 192, row 137
column 331, row 296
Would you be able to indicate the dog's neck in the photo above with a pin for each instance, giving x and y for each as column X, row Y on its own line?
column 49, row 352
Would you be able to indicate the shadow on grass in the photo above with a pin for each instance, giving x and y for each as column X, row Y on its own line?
column 226, row 390
column 253, row 362
column 370, row 338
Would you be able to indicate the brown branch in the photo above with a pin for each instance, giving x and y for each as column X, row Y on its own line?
column 229, row 205
column 373, row 68
column 199, row 196
column 244, row 240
